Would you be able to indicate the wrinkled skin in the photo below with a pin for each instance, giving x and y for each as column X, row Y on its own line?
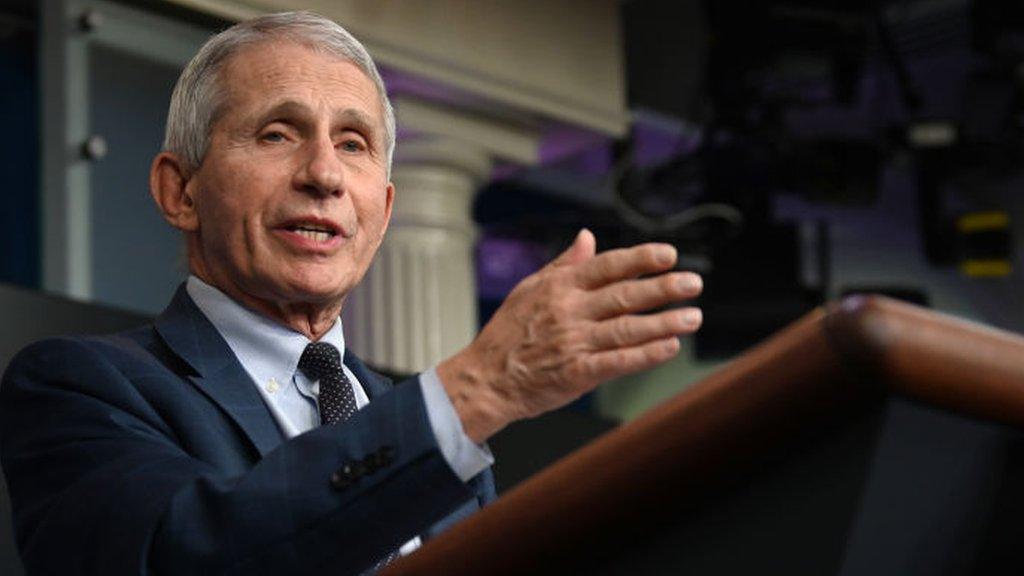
column 299, row 143
column 572, row 325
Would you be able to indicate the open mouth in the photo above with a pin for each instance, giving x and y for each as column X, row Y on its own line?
column 314, row 229
column 314, row 232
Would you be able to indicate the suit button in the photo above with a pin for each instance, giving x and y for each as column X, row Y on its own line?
column 348, row 474
column 356, row 469
column 375, row 461
column 370, row 463
column 339, row 480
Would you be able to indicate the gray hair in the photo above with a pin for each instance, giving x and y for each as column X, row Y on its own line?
column 198, row 97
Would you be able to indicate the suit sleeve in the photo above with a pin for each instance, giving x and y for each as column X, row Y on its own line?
column 100, row 483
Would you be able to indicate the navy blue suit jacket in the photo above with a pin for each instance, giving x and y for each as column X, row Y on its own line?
column 151, row 451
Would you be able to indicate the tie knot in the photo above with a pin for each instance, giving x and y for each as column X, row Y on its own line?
column 320, row 360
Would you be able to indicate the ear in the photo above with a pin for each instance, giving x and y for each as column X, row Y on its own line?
column 389, row 204
column 169, row 186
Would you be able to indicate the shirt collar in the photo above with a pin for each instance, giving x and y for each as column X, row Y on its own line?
column 266, row 349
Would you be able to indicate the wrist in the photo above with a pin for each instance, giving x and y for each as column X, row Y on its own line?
column 480, row 409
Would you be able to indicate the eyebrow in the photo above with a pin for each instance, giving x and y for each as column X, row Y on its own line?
column 358, row 119
column 349, row 117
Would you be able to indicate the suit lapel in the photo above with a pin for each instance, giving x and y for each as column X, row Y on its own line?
column 216, row 371
column 374, row 384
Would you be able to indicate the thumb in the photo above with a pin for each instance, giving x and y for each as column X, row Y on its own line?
column 582, row 249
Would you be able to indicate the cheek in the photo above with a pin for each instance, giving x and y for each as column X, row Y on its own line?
column 227, row 226
column 375, row 227
column 220, row 217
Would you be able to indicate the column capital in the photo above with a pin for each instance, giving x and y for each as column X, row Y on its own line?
column 451, row 132
column 444, row 153
column 433, row 193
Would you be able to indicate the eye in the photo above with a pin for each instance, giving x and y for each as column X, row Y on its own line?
column 273, row 136
column 352, row 145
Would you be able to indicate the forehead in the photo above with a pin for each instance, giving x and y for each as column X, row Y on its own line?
column 264, row 73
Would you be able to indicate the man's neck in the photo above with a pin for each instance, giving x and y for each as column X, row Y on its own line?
column 311, row 320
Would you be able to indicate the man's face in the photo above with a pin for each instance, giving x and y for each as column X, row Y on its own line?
column 292, row 197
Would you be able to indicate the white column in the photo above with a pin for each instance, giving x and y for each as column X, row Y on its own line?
column 417, row 304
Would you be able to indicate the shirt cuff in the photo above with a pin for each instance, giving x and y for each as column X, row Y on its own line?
column 466, row 458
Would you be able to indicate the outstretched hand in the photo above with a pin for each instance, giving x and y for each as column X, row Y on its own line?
column 572, row 325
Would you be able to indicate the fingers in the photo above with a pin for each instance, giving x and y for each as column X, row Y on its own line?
column 627, row 331
column 618, row 362
column 625, row 263
column 583, row 248
column 639, row 295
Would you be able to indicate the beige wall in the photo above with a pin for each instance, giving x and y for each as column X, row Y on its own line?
column 559, row 59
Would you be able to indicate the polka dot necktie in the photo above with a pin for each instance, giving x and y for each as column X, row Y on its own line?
column 337, row 402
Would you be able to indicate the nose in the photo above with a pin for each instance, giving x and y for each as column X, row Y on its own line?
column 321, row 173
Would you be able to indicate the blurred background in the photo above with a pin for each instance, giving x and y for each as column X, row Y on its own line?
column 795, row 151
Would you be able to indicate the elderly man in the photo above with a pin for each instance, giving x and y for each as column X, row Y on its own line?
column 229, row 435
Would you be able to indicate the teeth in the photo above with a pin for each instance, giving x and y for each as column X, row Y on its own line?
column 315, row 235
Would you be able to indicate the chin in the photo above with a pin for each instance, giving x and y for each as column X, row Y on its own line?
column 316, row 290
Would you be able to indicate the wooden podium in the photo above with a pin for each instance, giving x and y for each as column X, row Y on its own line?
column 870, row 437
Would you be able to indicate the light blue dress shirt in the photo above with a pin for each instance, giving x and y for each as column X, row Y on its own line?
column 270, row 354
